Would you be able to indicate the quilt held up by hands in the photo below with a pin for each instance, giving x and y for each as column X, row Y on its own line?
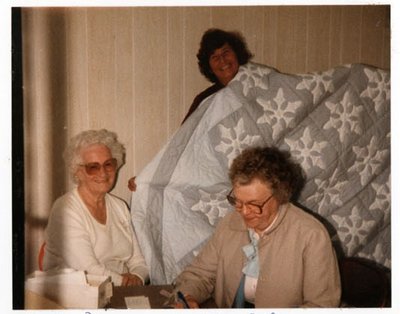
column 335, row 123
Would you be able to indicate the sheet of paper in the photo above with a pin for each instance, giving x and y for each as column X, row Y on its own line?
column 137, row 302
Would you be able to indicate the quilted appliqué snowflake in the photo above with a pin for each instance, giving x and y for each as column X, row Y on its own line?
column 308, row 150
column 369, row 159
column 278, row 112
column 329, row 193
column 252, row 76
column 378, row 88
column 214, row 206
column 381, row 201
column 317, row 83
column 234, row 140
column 353, row 229
column 344, row 117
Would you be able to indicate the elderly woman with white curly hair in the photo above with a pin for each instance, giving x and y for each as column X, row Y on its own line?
column 89, row 229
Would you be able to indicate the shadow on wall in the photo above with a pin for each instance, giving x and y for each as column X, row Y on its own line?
column 55, row 39
column 51, row 99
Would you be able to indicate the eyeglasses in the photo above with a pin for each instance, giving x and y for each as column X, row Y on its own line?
column 94, row 168
column 258, row 209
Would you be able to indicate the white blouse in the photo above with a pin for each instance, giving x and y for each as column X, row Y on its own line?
column 75, row 239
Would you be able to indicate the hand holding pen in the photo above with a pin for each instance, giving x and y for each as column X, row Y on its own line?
column 186, row 302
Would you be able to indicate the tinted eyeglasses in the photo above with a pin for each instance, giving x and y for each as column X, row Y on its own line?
column 94, row 168
column 255, row 208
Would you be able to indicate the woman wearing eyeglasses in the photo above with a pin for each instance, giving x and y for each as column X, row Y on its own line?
column 90, row 229
column 268, row 253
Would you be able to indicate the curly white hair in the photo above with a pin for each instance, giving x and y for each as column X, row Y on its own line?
column 72, row 154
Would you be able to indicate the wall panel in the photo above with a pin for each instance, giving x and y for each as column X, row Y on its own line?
column 229, row 18
column 372, row 34
column 292, row 39
column 271, row 36
column 351, row 34
column 101, row 67
column 384, row 60
column 77, row 70
column 150, row 80
column 45, row 117
column 197, row 20
column 176, row 65
column 317, row 38
column 335, row 34
column 122, row 106
column 253, row 30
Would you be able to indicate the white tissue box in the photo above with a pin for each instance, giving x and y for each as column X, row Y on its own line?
column 71, row 289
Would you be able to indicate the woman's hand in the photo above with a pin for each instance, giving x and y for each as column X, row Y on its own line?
column 132, row 184
column 131, row 280
column 191, row 301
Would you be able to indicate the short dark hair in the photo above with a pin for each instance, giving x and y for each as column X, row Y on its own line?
column 215, row 38
column 272, row 166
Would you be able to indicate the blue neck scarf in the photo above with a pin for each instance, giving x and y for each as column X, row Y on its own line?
column 251, row 251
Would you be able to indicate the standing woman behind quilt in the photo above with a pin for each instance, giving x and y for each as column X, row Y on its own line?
column 219, row 57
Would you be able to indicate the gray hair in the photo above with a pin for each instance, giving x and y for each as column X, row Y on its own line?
column 272, row 166
column 72, row 154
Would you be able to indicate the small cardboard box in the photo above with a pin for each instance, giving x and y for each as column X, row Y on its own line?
column 71, row 289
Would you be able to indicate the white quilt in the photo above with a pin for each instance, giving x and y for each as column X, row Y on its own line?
column 335, row 123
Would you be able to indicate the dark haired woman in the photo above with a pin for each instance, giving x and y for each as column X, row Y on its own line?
column 219, row 57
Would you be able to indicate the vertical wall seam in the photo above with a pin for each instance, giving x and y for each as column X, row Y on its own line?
column 87, row 66
column 360, row 44
column 307, row 36
column 133, row 104
column 167, row 74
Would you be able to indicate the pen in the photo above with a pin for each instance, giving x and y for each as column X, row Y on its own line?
column 182, row 298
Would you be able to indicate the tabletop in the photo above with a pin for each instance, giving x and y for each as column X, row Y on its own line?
column 157, row 297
